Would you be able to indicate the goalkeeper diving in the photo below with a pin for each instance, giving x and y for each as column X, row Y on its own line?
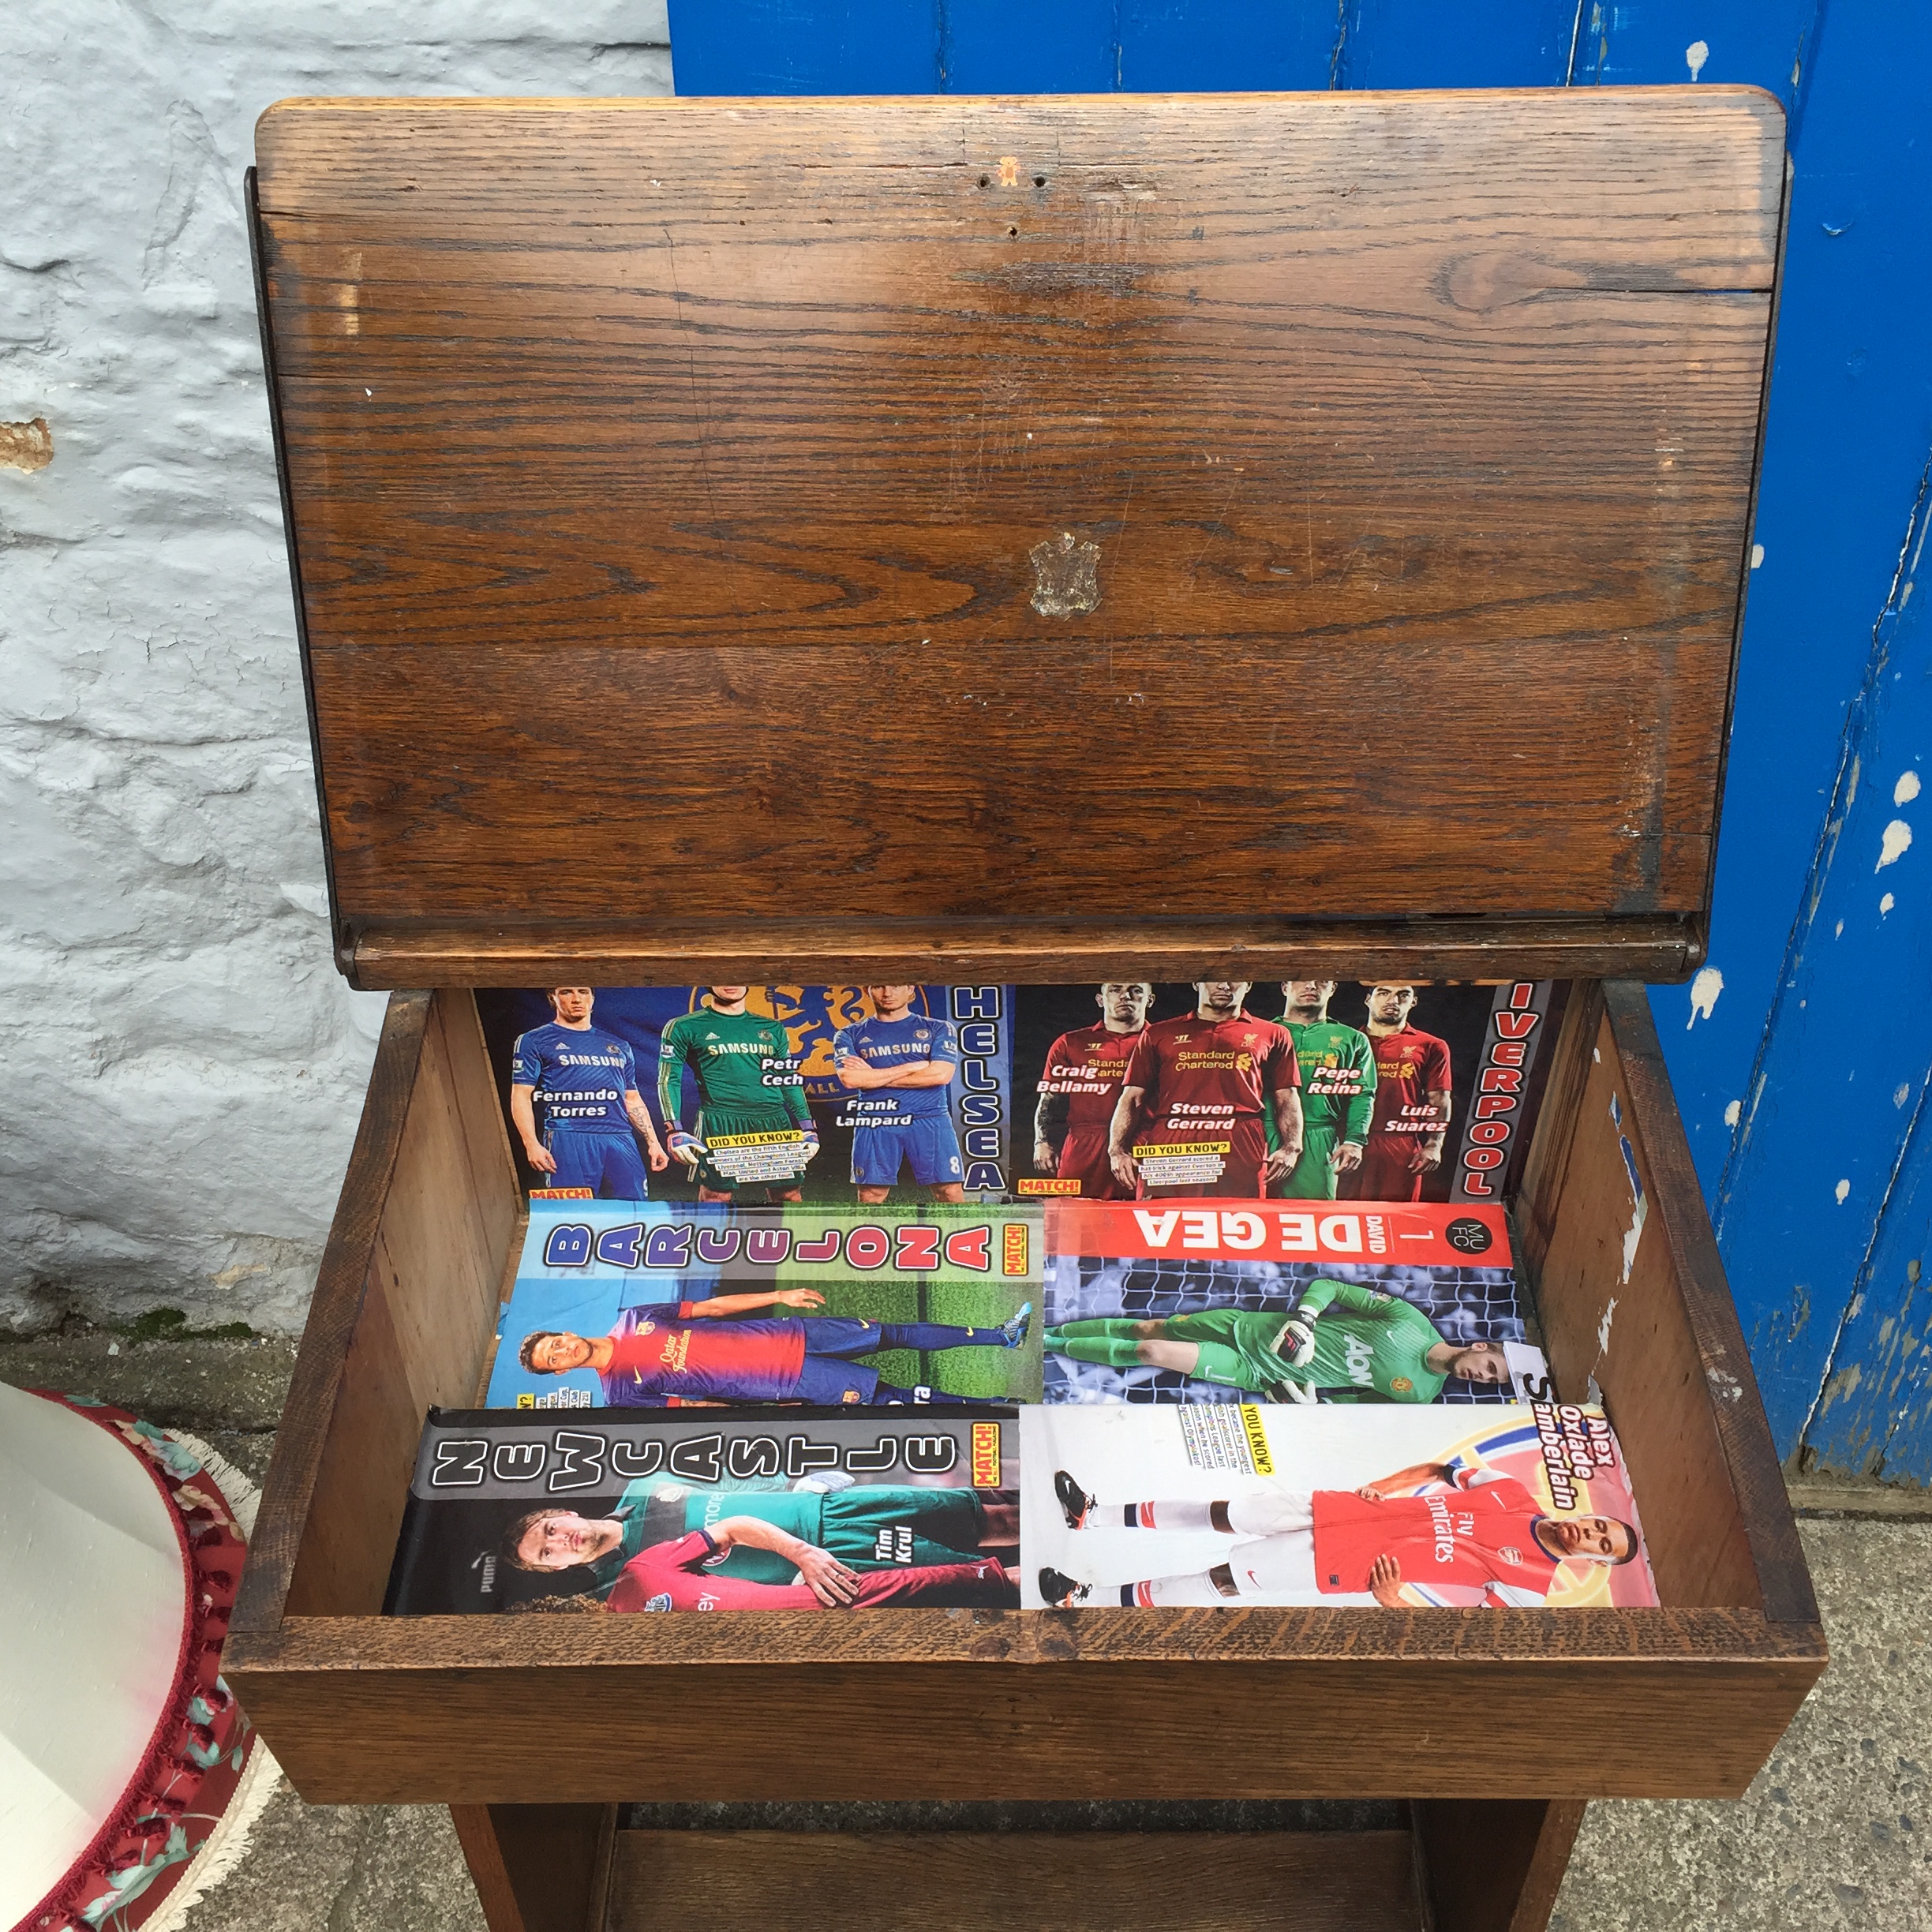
column 1342, row 1342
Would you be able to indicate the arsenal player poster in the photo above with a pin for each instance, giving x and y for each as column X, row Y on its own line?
column 1237, row 1506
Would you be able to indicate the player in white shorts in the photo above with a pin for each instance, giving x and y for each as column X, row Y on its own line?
column 1472, row 1530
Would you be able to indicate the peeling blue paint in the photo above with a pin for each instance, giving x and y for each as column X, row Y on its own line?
column 1871, row 1415
column 1828, row 1066
column 1766, row 45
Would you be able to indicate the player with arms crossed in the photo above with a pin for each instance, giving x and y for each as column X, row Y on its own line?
column 585, row 1079
column 1350, row 1343
column 859, row 1527
column 1338, row 1067
column 747, row 1083
column 680, row 1354
column 1411, row 1101
column 900, row 1064
column 1204, row 1081
column 1078, row 1088
column 1467, row 1529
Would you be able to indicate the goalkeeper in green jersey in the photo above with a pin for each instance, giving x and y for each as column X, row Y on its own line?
column 1337, row 1066
column 755, row 1132
column 1340, row 1340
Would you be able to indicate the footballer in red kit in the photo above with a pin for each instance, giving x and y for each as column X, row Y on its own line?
column 1470, row 1530
column 1486, row 1529
column 1079, row 1087
column 681, row 1352
column 1190, row 1120
column 1411, row 1102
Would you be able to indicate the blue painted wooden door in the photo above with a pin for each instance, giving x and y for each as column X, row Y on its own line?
column 1801, row 1053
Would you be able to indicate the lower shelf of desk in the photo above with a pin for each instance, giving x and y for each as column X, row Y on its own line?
column 1430, row 1866
column 710, row 1881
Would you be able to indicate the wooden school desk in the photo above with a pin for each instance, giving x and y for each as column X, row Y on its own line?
column 1022, row 540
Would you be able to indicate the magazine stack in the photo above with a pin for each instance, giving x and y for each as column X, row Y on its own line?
column 1047, row 1298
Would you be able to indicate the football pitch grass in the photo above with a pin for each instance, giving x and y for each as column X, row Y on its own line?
column 1000, row 1374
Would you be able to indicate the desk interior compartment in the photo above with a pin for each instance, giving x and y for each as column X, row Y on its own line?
column 1686, row 1699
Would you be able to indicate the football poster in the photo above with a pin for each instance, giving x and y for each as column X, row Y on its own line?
column 1284, row 1301
column 659, row 1304
column 1315, row 1090
column 1114, row 1506
column 772, row 1509
column 1527, row 1507
column 750, row 1096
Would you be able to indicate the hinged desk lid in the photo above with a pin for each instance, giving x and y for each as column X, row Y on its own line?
column 1044, row 536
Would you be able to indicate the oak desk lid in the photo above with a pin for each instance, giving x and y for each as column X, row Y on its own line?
column 1021, row 536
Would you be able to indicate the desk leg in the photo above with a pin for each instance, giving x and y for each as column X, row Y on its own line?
column 538, row 1868
column 1494, row 1865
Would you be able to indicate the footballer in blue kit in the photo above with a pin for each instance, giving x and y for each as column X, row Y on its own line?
column 585, row 1081
column 898, row 1064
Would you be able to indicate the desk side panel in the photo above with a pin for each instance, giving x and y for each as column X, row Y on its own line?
column 1722, row 1357
column 1493, row 1865
column 1615, row 1323
column 1634, row 1306
column 403, row 1312
column 336, row 1310
column 539, row 1868
column 429, row 1312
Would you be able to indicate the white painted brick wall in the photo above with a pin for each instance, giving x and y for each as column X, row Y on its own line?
column 183, row 1066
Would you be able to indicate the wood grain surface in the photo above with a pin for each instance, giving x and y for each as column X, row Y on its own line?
column 335, row 1311
column 978, row 951
column 1634, row 1302
column 1615, row 1320
column 417, row 1710
column 538, row 1867
column 404, row 1310
column 429, row 1311
column 667, row 478
column 972, row 1881
column 1784, row 1589
column 489, row 1873
column 808, row 1641
column 1491, row 1865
